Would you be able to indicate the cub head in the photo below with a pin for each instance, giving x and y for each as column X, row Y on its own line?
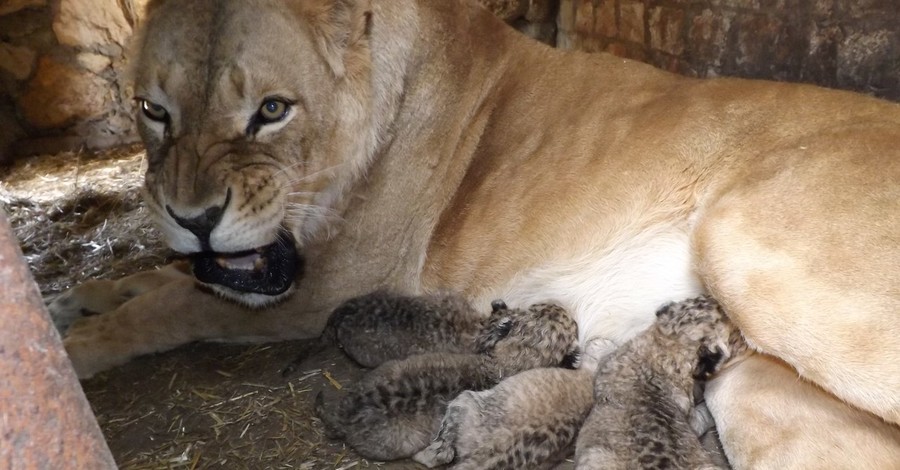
column 701, row 324
column 256, row 116
column 542, row 335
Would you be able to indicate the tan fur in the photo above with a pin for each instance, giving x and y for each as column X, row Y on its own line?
column 433, row 148
column 824, row 433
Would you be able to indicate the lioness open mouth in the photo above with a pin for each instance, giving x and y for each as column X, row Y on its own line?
column 267, row 270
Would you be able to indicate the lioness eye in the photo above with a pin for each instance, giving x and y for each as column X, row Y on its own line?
column 273, row 110
column 154, row 111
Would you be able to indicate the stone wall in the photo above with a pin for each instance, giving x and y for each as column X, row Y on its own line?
column 850, row 44
column 62, row 64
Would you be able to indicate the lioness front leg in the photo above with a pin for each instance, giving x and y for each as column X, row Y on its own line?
column 174, row 314
column 101, row 296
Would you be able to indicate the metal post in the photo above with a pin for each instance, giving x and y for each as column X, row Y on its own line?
column 46, row 422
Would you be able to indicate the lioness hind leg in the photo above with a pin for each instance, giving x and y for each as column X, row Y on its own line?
column 769, row 418
column 102, row 296
column 802, row 251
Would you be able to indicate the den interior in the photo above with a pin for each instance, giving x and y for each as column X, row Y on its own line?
column 73, row 168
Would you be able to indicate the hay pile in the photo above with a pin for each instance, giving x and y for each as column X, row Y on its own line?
column 80, row 216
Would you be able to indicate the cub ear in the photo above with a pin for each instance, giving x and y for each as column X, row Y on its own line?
column 339, row 27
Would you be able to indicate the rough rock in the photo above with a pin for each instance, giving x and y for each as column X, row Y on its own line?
column 60, row 94
column 18, row 61
column 12, row 6
column 96, row 63
column 91, row 23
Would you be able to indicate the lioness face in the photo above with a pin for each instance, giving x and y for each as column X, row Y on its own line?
column 251, row 144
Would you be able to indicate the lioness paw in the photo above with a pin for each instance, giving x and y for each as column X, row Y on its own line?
column 90, row 298
column 93, row 347
column 97, row 297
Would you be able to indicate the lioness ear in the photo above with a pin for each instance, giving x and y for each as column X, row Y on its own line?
column 339, row 27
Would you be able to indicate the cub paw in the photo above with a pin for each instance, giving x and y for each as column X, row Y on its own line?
column 436, row 454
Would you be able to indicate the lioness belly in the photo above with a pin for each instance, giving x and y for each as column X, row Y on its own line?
column 612, row 290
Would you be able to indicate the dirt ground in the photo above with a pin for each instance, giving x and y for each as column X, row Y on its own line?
column 209, row 405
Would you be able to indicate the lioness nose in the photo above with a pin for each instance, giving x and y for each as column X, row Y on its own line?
column 203, row 224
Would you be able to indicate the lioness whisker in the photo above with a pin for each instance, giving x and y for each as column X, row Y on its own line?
column 298, row 209
column 285, row 169
column 311, row 210
column 312, row 175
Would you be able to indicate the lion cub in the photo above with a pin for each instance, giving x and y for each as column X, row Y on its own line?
column 378, row 327
column 644, row 413
column 396, row 409
column 527, row 421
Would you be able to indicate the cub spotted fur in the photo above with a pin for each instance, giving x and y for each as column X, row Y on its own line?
column 423, row 146
column 396, row 409
column 380, row 326
column 644, row 413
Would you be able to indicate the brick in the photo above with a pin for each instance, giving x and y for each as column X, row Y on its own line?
column 740, row 4
column 822, row 8
column 707, row 37
column 863, row 8
column 666, row 30
column 584, row 19
column 605, row 19
column 566, row 19
column 631, row 22
column 867, row 60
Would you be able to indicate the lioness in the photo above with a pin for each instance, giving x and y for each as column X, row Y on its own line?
column 422, row 145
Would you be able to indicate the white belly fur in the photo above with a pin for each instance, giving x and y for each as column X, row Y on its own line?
column 614, row 292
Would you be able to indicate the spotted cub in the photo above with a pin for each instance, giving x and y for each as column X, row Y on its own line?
column 396, row 409
column 381, row 326
column 644, row 413
column 527, row 421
